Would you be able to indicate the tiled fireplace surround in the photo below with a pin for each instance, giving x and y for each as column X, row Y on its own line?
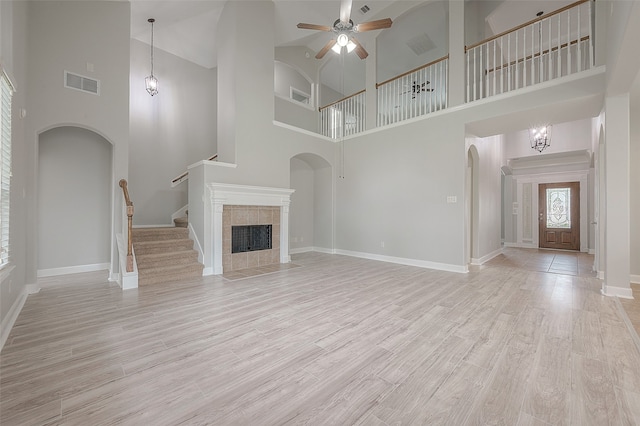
column 245, row 205
column 249, row 215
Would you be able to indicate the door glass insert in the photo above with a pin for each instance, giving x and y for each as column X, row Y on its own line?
column 558, row 207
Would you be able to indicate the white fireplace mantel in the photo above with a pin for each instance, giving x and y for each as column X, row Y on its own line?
column 221, row 194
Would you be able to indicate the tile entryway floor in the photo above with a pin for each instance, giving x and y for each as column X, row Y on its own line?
column 541, row 260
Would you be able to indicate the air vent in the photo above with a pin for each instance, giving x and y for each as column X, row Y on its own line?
column 420, row 44
column 79, row 82
column 364, row 9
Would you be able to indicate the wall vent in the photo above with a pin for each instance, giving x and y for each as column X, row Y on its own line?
column 79, row 82
column 420, row 44
column 364, row 9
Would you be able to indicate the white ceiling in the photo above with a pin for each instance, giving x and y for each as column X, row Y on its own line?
column 187, row 28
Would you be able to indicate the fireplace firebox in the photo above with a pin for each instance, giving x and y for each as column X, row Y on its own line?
column 250, row 238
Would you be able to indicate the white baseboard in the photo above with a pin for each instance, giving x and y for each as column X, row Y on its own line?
column 14, row 311
column 301, row 250
column 486, row 257
column 207, row 271
column 180, row 213
column 312, row 249
column 114, row 277
column 520, row 245
column 600, row 275
column 635, row 279
column 592, row 251
column 324, row 250
column 622, row 292
column 404, row 261
column 72, row 270
column 126, row 280
column 129, row 280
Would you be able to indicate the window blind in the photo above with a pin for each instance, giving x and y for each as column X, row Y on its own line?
column 6, row 92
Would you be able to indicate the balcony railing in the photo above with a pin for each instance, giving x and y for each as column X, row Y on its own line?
column 414, row 93
column 344, row 117
column 549, row 47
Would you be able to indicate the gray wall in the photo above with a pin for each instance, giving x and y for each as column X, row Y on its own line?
column 398, row 196
column 74, row 198
column 301, row 212
column 169, row 131
column 323, row 207
column 13, row 30
column 96, row 33
column 489, row 202
column 297, row 115
column 635, row 180
column 311, row 212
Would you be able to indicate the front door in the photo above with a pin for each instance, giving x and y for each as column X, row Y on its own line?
column 559, row 205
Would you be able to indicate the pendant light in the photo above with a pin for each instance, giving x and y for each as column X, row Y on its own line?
column 151, row 82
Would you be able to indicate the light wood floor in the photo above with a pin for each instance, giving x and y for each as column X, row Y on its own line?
column 335, row 341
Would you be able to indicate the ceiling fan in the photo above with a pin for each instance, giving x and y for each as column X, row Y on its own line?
column 343, row 28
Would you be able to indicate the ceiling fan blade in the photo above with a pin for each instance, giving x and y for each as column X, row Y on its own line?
column 326, row 48
column 360, row 51
column 304, row 26
column 345, row 11
column 374, row 25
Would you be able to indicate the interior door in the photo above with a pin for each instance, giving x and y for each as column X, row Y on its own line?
column 559, row 215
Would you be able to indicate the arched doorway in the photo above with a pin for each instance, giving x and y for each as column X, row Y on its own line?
column 311, row 224
column 74, row 201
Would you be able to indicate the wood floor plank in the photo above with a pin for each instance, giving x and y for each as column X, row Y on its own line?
column 593, row 398
column 547, row 396
column 501, row 400
column 336, row 340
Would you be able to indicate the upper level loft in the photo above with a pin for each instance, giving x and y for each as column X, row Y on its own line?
column 414, row 78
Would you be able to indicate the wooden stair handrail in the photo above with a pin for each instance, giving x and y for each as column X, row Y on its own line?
column 129, row 204
column 183, row 175
column 341, row 100
column 444, row 58
column 526, row 24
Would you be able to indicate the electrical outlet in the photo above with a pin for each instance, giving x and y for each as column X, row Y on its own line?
column 382, row 244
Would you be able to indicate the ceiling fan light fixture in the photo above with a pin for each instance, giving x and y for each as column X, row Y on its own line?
column 337, row 48
column 350, row 46
column 342, row 40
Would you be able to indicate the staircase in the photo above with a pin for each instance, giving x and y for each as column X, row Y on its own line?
column 165, row 254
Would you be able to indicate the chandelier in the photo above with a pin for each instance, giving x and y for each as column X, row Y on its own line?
column 151, row 82
column 540, row 137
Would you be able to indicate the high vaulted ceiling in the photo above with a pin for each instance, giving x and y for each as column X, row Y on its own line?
column 187, row 28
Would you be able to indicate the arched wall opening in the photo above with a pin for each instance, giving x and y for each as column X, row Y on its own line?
column 75, row 203
column 472, row 203
column 311, row 221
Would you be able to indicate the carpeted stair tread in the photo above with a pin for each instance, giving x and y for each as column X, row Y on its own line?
column 165, row 254
column 181, row 222
column 170, row 273
column 152, row 260
column 156, row 234
column 162, row 246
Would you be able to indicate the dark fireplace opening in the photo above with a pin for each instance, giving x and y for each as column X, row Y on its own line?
column 250, row 238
